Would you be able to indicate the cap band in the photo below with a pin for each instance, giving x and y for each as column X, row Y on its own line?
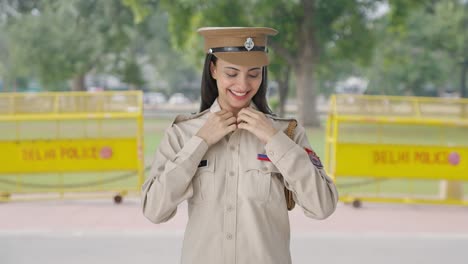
column 237, row 49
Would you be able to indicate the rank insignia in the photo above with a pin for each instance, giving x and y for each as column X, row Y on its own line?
column 314, row 158
column 263, row 157
column 249, row 44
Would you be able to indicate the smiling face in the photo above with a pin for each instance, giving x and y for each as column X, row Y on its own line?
column 237, row 84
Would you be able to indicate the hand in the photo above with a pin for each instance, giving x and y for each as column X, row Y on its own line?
column 217, row 126
column 257, row 123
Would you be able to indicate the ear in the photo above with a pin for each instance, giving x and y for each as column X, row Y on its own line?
column 213, row 70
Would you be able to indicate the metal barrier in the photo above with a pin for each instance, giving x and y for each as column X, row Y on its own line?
column 70, row 144
column 398, row 149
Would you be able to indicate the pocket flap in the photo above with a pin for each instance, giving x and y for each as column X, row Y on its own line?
column 260, row 165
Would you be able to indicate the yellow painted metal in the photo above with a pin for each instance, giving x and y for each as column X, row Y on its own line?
column 397, row 161
column 140, row 147
column 49, row 117
column 29, row 156
column 66, row 196
column 328, row 138
column 402, row 120
column 64, row 143
column 383, row 137
column 403, row 200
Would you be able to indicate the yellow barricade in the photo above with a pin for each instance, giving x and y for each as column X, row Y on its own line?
column 70, row 144
column 398, row 149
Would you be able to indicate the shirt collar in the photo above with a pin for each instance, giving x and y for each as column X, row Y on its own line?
column 215, row 107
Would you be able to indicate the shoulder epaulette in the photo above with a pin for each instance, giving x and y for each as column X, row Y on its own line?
column 276, row 118
column 185, row 117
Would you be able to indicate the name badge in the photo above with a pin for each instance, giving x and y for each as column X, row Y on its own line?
column 203, row 163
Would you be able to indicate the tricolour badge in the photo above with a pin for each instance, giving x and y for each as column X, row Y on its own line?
column 314, row 158
column 263, row 157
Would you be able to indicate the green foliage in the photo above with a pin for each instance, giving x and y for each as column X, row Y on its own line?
column 171, row 66
column 342, row 24
column 423, row 58
column 416, row 48
column 140, row 9
column 274, row 104
column 64, row 39
column 132, row 74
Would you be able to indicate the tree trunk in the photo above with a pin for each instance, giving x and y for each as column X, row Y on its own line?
column 283, row 89
column 14, row 85
column 78, row 83
column 304, row 70
column 132, row 87
column 464, row 68
column 463, row 92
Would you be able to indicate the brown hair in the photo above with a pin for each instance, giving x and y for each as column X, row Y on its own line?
column 209, row 89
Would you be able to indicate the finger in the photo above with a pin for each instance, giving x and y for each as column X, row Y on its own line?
column 221, row 112
column 245, row 118
column 244, row 126
column 230, row 121
column 227, row 115
column 232, row 128
column 251, row 112
column 222, row 115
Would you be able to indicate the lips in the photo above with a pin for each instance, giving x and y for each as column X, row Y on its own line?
column 238, row 95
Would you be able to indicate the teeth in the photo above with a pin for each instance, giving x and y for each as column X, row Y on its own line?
column 238, row 94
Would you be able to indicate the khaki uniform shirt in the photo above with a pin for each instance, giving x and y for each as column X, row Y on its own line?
column 236, row 203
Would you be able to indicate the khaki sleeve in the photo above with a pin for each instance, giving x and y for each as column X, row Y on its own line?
column 312, row 189
column 170, row 177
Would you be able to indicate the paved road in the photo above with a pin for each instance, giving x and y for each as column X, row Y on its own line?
column 137, row 247
column 99, row 232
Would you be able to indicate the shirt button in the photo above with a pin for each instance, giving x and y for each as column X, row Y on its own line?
column 271, row 153
column 233, row 148
column 264, row 169
column 228, row 236
column 231, row 173
column 230, row 208
column 161, row 169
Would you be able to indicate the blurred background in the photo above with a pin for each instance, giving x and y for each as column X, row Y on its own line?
column 87, row 88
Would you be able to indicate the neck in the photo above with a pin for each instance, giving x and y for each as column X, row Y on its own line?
column 233, row 110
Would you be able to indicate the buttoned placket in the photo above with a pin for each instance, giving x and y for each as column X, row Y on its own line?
column 230, row 194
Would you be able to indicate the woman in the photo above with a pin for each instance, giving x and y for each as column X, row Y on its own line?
column 232, row 160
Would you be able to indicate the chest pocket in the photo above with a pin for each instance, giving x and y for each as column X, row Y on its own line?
column 258, row 181
column 203, row 182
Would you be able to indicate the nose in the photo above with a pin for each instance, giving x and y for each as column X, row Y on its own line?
column 243, row 84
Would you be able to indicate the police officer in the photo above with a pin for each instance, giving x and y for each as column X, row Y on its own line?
column 232, row 160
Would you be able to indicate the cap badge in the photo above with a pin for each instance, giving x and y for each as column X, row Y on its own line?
column 249, row 44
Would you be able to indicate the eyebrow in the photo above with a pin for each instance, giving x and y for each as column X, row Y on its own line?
column 232, row 68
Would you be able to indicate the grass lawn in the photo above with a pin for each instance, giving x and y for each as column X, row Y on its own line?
column 154, row 129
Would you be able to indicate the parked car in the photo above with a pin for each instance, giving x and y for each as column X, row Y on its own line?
column 154, row 98
column 178, row 98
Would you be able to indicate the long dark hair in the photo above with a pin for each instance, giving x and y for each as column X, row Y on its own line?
column 209, row 89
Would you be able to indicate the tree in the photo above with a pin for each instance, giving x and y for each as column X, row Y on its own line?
column 421, row 54
column 61, row 40
column 312, row 32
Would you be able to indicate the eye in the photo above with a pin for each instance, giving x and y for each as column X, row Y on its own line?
column 254, row 75
column 231, row 74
